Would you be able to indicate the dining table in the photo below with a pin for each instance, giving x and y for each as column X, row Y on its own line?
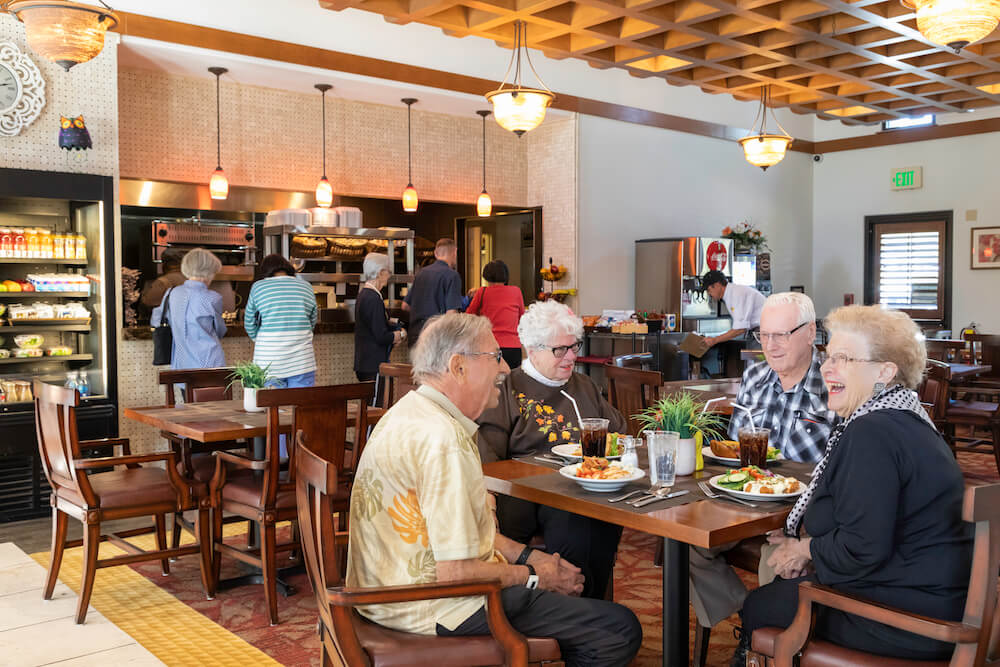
column 693, row 519
column 963, row 372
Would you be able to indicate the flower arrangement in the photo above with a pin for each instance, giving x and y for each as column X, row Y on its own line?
column 682, row 413
column 744, row 235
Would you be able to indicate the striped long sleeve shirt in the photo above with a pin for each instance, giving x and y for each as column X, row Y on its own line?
column 280, row 316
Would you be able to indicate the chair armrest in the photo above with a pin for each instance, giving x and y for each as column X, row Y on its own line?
column 239, row 461
column 350, row 597
column 109, row 442
column 132, row 460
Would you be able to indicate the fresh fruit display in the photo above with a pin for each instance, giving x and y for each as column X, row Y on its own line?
column 553, row 272
column 12, row 285
column 29, row 340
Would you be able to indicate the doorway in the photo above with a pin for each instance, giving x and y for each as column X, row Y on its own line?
column 514, row 237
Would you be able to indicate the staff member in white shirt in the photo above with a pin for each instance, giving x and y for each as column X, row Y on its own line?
column 744, row 305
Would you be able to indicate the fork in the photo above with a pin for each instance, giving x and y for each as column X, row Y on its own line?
column 707, row 490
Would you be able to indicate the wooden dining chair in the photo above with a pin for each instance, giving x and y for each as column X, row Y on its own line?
column 395, row 381
column 349, row 639
column 103, row 495
column 989, row 354
column 321, row 415
column 976, row 636
column 934, row 391
column 632, row 390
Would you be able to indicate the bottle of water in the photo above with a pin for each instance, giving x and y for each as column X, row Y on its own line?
column 83, row 385
column 72, row 382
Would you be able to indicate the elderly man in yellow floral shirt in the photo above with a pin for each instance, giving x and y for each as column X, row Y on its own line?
column 420, row 513
column 533, row 414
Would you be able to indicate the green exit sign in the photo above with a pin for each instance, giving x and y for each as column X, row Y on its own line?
column 906, row 178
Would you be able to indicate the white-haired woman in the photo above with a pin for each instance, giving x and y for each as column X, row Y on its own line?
column 375, row 333
column 882, row 517
column 194, row 313
column 532, row 416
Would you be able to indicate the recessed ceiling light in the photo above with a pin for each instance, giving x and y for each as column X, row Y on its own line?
column 851, row 111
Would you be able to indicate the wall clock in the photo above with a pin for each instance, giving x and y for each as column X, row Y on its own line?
column 22, row 90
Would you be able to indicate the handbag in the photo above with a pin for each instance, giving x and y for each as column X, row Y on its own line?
column 163, row 336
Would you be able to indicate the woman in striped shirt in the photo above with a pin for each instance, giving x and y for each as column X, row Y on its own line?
column 280, row 316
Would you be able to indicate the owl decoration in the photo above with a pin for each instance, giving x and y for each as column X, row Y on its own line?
column 73, row 134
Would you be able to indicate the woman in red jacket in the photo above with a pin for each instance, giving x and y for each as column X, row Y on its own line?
column 503, row 305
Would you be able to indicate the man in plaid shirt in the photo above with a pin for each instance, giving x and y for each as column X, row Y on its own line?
column 786, row 394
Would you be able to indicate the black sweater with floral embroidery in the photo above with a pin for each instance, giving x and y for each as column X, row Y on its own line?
column 532, row 417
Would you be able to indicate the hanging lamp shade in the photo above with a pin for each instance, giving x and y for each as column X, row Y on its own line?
column 484, row 205
column 518, row 108
column 955, row 23
column 763, row 149
column 67, row 33
column 218, row 185
column 410, row 200
column 324, row 191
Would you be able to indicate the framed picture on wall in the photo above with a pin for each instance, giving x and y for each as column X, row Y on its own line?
column 986, row 247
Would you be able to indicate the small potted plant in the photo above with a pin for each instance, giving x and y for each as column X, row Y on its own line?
column 687, row 416
column 252, row 377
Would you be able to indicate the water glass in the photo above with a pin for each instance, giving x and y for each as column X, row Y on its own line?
column 662, row 448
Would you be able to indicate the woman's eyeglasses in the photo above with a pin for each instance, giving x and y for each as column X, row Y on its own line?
column 839, row 359
column 780, row 338
column 559, row 351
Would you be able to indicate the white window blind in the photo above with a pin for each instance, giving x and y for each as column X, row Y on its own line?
column 910, row 270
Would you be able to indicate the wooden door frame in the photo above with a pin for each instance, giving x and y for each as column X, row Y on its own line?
column 536, row 232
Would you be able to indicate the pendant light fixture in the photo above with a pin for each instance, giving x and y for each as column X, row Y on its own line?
column 218, row 186
column 517, row 108
column 955, row 23
column 324, row 191
column 410, row 192
column 484, row 206
column 67, row 33
column 762, row 149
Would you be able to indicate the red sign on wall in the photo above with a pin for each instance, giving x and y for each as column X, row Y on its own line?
column 716, row 256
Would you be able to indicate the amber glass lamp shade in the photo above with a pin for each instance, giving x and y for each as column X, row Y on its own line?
column 219, row 185
column 67, row 33
column 324, row 193
column 410, row 198
column 484, row 205
column 765, row 150
column 520, row 110
column 955, row 23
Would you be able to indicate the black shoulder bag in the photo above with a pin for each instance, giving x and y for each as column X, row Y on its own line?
column 163, row 337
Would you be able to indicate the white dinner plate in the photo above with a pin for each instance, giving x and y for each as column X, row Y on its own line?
column 706, row 452
column 755, row 496
column 600, row 485
column 568, row 451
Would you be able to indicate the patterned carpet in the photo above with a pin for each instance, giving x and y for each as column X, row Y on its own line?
column 294, row 641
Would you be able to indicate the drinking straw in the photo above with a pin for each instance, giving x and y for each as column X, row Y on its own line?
column 712, row 400
column 749, row 414
column 578, row 416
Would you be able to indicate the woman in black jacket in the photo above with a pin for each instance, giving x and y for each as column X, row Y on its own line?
column 374, row 331
column 882, row 517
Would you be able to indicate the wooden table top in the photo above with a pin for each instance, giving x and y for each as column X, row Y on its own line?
column 961, row 372
column 211, row 421
column 704, row 523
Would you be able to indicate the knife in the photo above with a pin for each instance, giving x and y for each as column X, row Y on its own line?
column 675, row 494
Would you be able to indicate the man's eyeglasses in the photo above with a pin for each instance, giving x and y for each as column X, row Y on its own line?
column 560, row 351
column 498, row 355
column 839, row 359
column 780, row 338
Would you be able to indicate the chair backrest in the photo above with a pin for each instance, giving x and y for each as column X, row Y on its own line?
column 58, row 446
column 398, row 380
column 933, row 389
column 982, row 507
column 321, row 416
column 200, row 384
column 631, row 390
column 990, row 345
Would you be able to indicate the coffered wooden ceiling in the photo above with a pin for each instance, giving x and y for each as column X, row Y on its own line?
column 859, row 62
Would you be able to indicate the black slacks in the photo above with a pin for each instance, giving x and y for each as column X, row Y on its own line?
column 589, row 544
column 775, row 604
column 591, row 633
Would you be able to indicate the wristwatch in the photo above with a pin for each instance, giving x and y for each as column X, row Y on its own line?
column 532, row 581
column 524, row 556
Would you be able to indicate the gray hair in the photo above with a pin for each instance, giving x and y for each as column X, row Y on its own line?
column 544, row 320
column 443, row 337
column 200, row 264
column 374, row 263
column 807, row 311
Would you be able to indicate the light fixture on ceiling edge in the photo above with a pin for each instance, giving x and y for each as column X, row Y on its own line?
column 762, row 149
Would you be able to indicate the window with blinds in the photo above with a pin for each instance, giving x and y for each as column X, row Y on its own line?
column 909, row 267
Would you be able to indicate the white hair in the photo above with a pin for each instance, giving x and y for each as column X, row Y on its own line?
column 544, row 320
column 200, row 264
column 807, row 311
column 374, row 263
column 443, row 337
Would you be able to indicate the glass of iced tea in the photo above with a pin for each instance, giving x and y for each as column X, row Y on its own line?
column 593, row 436
column 753, row 446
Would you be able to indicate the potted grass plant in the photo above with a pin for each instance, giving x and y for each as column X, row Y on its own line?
column 684, row 414
column 252, row 377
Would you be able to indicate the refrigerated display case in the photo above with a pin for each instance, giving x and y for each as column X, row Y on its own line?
column 58, row 321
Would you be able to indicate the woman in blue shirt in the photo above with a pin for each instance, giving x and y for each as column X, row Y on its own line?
column 195, row 314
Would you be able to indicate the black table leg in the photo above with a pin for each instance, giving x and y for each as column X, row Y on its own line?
column 675, row 603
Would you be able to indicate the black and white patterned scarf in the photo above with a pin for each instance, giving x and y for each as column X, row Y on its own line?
column 896, row 397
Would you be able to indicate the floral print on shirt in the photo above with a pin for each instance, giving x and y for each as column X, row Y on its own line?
column 556, row 427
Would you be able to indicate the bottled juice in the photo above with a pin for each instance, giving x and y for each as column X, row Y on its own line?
column 19, row 248
column 6, row 242
column 59, row 246
column 81, row 246
column 45, row 243
column 31, row 241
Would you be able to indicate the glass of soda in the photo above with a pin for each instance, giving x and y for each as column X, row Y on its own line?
column 593, row 436
column 662, row 449
column 753, row 446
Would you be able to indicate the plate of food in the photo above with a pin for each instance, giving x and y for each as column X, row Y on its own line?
column 753, row 483
column 727, row 452
column 601, row 475
column 572, row 450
